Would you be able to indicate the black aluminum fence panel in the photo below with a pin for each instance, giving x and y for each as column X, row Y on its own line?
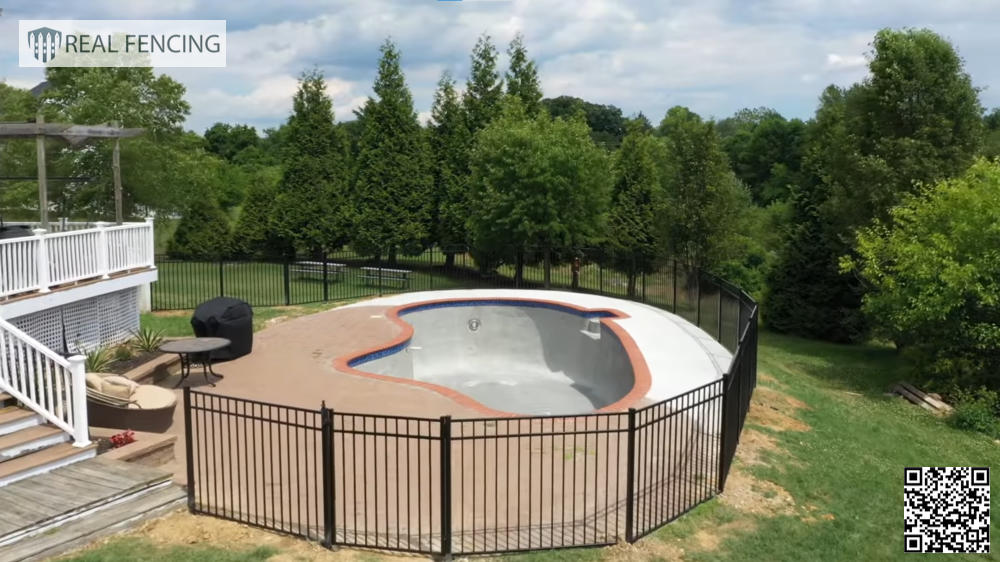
column 537, row 483
column 386, row 480
column 255, row 463
column 676, row 452
column 471, row 486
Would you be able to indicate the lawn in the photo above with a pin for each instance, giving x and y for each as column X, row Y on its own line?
column 819, row 470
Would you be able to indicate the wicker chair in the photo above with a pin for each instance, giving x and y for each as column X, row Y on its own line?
column 139, row 407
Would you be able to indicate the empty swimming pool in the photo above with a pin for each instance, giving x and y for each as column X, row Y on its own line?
column 514, row 355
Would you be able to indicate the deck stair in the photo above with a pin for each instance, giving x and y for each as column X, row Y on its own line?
column 68, row 507
column 28, row 446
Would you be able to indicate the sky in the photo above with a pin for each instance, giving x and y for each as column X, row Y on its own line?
column 714, row 56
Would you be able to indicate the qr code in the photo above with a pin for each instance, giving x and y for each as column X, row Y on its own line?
column 947, row 509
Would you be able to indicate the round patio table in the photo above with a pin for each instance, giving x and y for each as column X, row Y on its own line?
column 198, row 350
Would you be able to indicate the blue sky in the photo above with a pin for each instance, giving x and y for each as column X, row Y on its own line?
column 714, row 56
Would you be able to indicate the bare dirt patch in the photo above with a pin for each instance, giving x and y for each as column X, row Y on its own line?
column 183, row 529
column 764, row 377
column 776, row 410
column 754, row 445
column 759, row 497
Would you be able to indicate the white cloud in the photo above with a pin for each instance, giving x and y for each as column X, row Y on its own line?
column 714, row 55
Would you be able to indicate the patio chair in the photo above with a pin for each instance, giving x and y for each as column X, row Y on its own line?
column 116, row 402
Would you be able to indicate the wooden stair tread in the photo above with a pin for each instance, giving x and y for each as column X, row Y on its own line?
column 27, row 435
column 14, row 413
column 44, row 456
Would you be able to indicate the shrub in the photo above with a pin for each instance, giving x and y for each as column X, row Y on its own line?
column 202, row 233
column 147, row 340
column 976, row 410
column 98, row 360
column 122, row 352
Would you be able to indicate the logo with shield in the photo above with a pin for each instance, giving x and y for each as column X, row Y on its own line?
column 44, row 42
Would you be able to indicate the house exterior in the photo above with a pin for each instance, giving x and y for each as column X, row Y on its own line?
column 62, row 293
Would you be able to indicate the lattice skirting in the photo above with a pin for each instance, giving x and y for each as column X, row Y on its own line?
column 101, row 321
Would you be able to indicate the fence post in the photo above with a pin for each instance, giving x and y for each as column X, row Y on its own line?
column 675, row 286
column 697, row 297
column 379, row 264
column 328, row 478
column 723, row 441
column 718, row 315
column 432, row 269
column 600, row 279
column 222, row 287
column 326, row 279
column 188, row 448
column 445, row 433
column 630, row 479
column 287, row 278
column 42, row 260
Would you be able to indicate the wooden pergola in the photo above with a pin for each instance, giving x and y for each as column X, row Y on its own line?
column 75, row 135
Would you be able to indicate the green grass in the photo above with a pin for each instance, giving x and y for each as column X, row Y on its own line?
column 849, row 464
column 139, row 550
column 183, row 285
column 177, row 323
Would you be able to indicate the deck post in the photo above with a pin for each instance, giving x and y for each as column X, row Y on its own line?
column 103, row 250
column 42, row 260
column 151, row 243
column 78, row 372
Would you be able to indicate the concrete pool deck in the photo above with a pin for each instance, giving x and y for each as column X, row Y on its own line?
column 293, row 361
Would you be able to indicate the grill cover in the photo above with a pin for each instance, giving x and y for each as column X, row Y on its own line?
column 228, row 318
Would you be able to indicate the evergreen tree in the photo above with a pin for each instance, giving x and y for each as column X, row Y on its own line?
column 394, row 180
column 450, row 141
column 202, row 233
column 484, row 89
column 522, row 78
column 254, row 232
column 636, row 202
column 312, row 207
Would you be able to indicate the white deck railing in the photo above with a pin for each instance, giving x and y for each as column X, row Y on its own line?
column 37, row 263
column 44, row 382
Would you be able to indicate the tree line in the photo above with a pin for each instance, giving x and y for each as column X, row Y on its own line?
column 872, row 218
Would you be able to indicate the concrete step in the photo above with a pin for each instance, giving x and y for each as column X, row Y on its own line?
column 18, row 443
column 43, row 460
column 94, row 524
column 13, row 418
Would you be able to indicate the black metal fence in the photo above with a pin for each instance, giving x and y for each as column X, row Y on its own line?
column 479, row 486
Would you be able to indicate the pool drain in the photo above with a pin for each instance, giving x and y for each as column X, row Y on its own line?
column 474, row 324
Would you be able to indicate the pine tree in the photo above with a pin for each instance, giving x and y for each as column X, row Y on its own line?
column 522, row 78
column 202, row 233
column 394, row 179
column 484, row 89
column 635, row 204
column 450, row 141
column 312, row 207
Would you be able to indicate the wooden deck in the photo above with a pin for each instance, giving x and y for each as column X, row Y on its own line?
column 38, row 503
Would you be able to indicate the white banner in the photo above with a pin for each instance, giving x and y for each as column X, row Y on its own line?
column 159, row 43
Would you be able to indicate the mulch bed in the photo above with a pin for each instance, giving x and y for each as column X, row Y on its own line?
column 122, row 366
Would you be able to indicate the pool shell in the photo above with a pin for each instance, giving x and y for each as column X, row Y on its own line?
column 607, row 317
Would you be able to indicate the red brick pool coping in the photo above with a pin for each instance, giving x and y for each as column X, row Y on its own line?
column 640, row 370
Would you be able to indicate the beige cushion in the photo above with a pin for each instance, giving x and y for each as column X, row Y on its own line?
column 94, row 381
column 118, row 387
column 152, row 397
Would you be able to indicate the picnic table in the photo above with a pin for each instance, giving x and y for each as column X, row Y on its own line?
column 198, row 350
column 334, row 271
column 383, row 275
